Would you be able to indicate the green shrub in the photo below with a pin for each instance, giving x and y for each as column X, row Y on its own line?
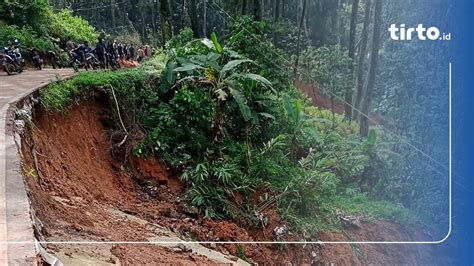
column 64, row 25
column 230, row 133
column 181, row 39
column 330, row 67
column 27, row 37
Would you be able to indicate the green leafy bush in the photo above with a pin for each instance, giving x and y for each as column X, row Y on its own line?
column 64, row 25
column 250, row 40
column 230, row 133
column 27, row 37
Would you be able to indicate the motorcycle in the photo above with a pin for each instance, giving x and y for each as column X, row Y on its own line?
column 8, row 63
column 16, row 54
column 76, row 58
column 53, row 58
column 36, row 59
column 112, row 61
column 91, row 61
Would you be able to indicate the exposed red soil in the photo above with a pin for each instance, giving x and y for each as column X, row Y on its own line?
column 382, row 254
column 318, row 99
column 322, row 101
column 80, row 187
column 129, row 63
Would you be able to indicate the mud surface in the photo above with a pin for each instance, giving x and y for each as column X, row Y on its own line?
column 81, row 193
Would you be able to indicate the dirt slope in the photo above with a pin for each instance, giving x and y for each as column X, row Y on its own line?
column 82, row 193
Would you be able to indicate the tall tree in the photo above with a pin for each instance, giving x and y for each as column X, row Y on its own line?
column 257, row 9
column 352, row 36
column 364, row 121
column 361, row 60
column 300, row 27
column 112, row 13
column 204, row 18
column 166, row 21
column 276, row 19
column 143, row 20
column 244, row 7
column 193, row 17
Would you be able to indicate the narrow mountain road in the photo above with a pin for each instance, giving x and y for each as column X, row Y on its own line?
column 16, row 233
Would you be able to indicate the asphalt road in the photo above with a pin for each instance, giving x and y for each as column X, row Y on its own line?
column 16, row 233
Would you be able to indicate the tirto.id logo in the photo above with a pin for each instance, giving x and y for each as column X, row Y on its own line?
column 402, row 33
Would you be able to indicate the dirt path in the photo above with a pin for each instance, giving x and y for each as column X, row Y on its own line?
column 14, row 208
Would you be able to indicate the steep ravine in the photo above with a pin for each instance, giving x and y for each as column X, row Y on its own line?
column 80, row 192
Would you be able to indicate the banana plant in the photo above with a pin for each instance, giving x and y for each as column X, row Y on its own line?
column 224, row 72
column 300, row 124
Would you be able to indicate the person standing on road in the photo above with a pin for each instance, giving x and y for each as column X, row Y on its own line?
column 131, row 52
column 125, row 52
column 120, row 50
column 100, row 51
column 141, row 55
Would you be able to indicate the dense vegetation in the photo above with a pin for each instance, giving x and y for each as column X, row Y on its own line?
column 232, row 133
column 35, row 24
column 227, row 115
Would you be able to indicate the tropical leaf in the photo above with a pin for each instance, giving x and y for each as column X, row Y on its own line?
column 267, row 115
column 216, row 43
column 242, row 103
column 233, row 64
column 187, row 67
column 259, row 79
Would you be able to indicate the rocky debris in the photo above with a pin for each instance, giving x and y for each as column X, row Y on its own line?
column 348, row 220
column 190, row 210
column 280, row 231
column 184, row 248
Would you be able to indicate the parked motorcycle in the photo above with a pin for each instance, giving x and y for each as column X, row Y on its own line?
column 36, row 59
column 8, row 62
column 16, row 54
column 53, row 58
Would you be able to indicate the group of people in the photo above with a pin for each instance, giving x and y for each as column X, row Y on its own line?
column 102, row 55
column 106, row 55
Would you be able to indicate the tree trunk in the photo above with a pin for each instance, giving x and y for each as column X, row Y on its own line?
column 352, row 36
column 337, row 24
column 166, row 21
column 204, row 15
column 244, row 7
column 361, row 61
column 300, row 27
column 364, row 121
column 257, row 9
column 143, row 23
column 183, row 8
column 153, row 19
column 194, row 18
column 112, row 13
column 276, row 19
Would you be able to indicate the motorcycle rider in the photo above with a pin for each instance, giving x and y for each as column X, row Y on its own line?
column 70, row 45
column 15, row 53
column 85, row 47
